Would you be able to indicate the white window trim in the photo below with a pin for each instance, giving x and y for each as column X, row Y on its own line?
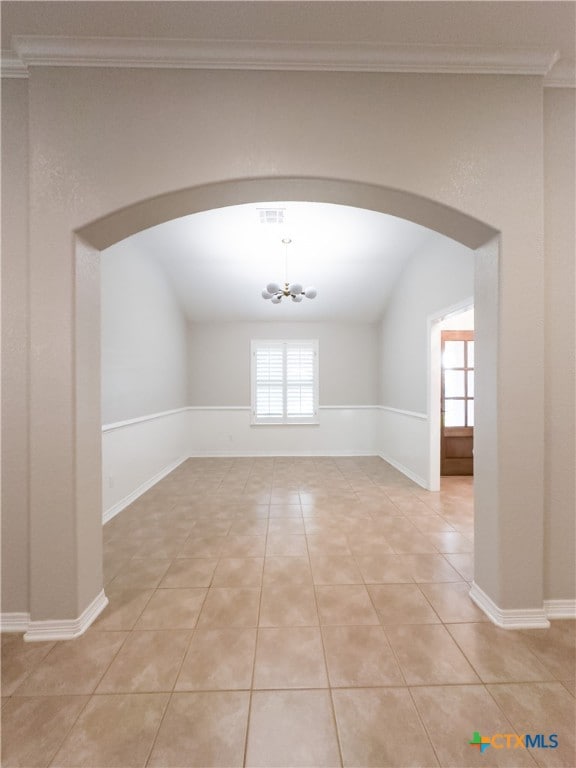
column 263, row 421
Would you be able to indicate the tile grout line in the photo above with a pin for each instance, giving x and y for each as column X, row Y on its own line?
column 256, row 643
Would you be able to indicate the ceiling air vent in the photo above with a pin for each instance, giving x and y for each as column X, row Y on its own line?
column 271, row 215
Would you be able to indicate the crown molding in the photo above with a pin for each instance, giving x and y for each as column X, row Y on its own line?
column 12, row 66
column 562, row 75
column 38, row 50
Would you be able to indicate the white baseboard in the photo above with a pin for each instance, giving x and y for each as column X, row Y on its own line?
column 522, row 618
column 405, row 471
column 66, row 629
column 560, row 609
column 127, row 500
column 273, row 454
column 14, row 622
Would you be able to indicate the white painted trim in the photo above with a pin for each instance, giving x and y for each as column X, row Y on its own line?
column 522, row 618
column 139, row 419
column 162, row 414
column 405, row 471
column 12, row 66
column 218, row 408
column 333, row 56
column 123, row 503
column 349, row 407
column 560, row 609
column 66, row 629
column 14, row 622
column 412, row 414
column 275, row 454
column 562, row 75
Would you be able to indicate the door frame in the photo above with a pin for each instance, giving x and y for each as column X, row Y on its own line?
column 434, row 368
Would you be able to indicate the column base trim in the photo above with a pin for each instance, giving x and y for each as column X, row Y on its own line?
column 14, row 622
column 66, row 629
column 560, row 609
column 516, row 618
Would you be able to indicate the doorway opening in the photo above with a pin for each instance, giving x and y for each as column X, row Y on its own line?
column 450, row 386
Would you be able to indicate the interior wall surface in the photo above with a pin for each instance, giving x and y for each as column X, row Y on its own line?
column 15, row 383
column 436, row 277
column 144, row 337
column 220, row 361
column 560, row 382
column 103, row 139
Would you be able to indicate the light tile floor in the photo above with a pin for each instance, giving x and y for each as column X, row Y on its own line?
column 289, row 612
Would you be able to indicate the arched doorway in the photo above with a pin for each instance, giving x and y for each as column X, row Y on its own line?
column 118, row 225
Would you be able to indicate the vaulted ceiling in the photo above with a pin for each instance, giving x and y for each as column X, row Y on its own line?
column 219, row 261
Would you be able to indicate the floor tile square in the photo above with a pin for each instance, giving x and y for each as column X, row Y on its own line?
column 73, row 666
column 288, row 605
column 287, row 570
column 349, row 604
column 18, row 659
column 148, row 662
column 141, row 573
column 290, row 657
column 287, row 546
column 541, row 708
column 292, row 728
column 402, row 604
column 335, row 569
column 172, row 609
column 498, row 655
column 189, row 572
column 453, row 713
column 218, row 659
column 113, row 731
column 452, row 602
column 34, row 727
column 359, row 657
column 379, row 727
column 202, row 729
column 239, row 572
column 230, row 607
column 124, row 608
column 429, row 656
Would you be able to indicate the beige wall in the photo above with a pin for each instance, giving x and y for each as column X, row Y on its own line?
column 437, row 277
column 560, row 381
column 102, row 139
column 219, row 359
column 144, row 337
column 15, row 491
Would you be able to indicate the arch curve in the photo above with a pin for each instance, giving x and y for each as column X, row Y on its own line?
column 107, row 230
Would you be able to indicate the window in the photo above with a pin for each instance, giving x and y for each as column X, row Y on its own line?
column 285, row 382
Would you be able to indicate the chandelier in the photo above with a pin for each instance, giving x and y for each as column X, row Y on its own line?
column 275, row 293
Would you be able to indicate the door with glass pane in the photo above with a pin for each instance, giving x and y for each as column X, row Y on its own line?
column 457, row 403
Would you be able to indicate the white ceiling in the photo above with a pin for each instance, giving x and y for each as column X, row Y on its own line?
column 219, row 261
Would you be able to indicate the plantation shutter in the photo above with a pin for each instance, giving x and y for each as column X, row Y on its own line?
column 270, row 381
column 299, row 380
column 284, row 382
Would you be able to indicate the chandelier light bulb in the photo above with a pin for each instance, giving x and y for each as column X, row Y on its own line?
column 295, row 289
column 266, row 295
column 272, row 288
column 310, row 293
column 298, row 297
column 276, row 299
